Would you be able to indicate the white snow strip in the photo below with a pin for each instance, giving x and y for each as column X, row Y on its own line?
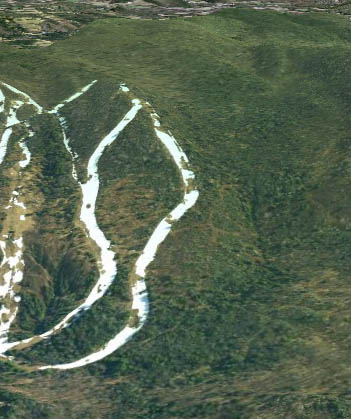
column 28, row 98
column 73, row 97
column 30, row 131
column 68, row 147
column 141, row 304
column 179, row 157
column 24, row 163
column 63, row 124
column 162, row 230
column 139, row 291
column 3, row 143
column 22, row 217
column 19, row 242
column 159, row 234
column 10, row 121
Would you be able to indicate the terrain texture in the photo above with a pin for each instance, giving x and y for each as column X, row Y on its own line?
column 249, row 293
column 39, row 23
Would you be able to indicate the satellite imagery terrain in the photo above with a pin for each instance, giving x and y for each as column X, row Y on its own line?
column 175, row 209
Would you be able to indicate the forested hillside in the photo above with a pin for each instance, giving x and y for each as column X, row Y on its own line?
column 249, row 294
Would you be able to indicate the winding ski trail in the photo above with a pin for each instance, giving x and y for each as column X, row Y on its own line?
column 107, row 265
column 90, row 189
column 140, row 300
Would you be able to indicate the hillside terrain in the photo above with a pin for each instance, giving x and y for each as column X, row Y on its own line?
column 38, row 23
column 232, row 132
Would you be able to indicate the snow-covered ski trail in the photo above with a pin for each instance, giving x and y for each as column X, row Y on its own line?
column 73, row 97
column 140, row 300
column 16, row 263
column 27, row 98
column 107, row 268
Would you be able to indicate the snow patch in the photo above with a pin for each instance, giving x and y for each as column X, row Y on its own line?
column 24, row 163
column 10, row 121
column 124, row 88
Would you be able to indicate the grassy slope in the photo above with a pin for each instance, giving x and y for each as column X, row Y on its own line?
column 250, row 305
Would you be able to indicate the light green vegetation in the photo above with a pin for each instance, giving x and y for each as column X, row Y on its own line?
column 250, row 306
